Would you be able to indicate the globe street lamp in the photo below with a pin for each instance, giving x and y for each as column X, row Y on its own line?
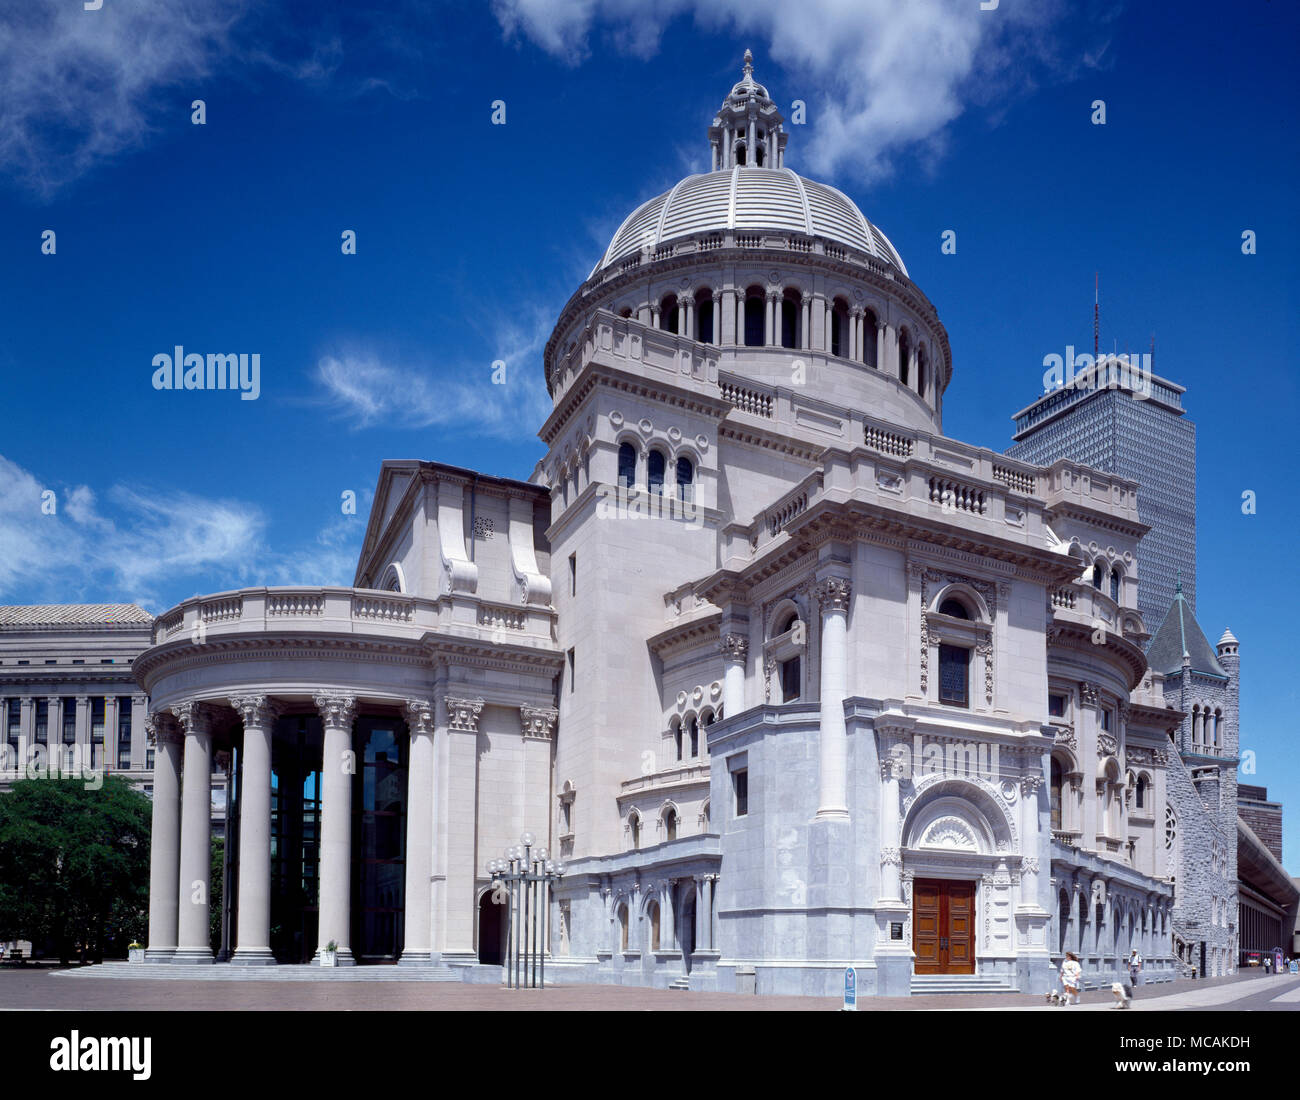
column 523, row 880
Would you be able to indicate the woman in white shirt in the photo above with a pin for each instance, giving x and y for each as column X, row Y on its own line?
column 1071, row 975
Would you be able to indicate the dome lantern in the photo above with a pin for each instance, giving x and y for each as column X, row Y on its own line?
column 747, row 131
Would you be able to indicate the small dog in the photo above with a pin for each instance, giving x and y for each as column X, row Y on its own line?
column 1122, row 999
column 1055, row 998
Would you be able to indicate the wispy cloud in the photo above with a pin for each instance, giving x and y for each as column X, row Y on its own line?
column 78, row 86
column 150, row 547
column 878, row 76
column 500, row 396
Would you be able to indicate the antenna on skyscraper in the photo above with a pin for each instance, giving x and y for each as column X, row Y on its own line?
column 1153, row 353
column 1096, row 316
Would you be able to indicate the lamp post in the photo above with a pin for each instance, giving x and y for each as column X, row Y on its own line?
column 525, row 876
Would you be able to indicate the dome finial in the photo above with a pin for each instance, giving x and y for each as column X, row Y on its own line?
column 749, row 64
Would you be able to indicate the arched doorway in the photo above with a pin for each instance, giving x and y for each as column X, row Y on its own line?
column 491, row 930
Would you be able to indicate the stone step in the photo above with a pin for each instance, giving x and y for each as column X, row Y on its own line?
column 681, row 983
column 223, row 972
column 959, row 983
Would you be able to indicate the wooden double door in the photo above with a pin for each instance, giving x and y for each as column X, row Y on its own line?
column 943, row 926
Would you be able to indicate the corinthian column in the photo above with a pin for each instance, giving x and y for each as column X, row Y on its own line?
column 891, row 866
column 735, row 649
column 833, row 593
column 338, row 765
column 193, row 944
column 254, row 923
column 165, row 838
column 418, row 945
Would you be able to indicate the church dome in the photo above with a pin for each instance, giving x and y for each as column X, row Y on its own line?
column 744, row 198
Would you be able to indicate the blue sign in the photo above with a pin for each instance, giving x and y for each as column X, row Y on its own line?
column 1295, row 966
column 850, row 989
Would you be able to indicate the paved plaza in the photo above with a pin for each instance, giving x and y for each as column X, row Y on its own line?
column 44, row 989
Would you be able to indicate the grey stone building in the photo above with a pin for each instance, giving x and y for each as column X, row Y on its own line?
column 1201, row 817
column 1263, row 815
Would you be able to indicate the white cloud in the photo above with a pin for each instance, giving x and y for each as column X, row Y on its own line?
column 879, row 76
column 151, row 547
column 78, row 86
column 368, row 389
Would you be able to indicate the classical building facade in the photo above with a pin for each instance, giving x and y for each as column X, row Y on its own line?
column 785, row 677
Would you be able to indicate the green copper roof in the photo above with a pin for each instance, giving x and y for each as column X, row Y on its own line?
column 1180, row 633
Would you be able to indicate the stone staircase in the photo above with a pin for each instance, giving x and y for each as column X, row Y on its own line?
column 959, row 983
column 681, row 983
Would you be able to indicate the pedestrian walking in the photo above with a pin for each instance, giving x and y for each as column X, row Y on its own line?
column 1134, row 970
column 1071, row 977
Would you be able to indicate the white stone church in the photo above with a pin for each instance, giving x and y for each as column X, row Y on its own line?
column 786, row 678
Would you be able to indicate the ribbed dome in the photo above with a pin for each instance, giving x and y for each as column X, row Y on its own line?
column 747, row 198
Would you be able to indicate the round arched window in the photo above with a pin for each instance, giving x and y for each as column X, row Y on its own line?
column 1171, row 828
column 955, row 608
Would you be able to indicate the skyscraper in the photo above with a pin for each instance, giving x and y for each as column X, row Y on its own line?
column 1137, row 431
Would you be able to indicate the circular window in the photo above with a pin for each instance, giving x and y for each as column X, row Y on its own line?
column 1171, row 828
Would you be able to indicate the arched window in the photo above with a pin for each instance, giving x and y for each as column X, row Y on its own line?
column 652, row 911
column 904, row 357
column 1096, row 576
column 670, row 824
column 635, row 824
column 920, row 370
column 790, row 310
column 755, row 321
column 669, row 313
column 760, row 156
column 1114, row 585
column 1171, row 828
column 740, row 153
column 869, row 324
column 840, row 328
column 1140, row 795
column 704, row 317
column 655, row 471
column 693, row 728
column 626, row 465
column 622, row 927
column 625, row 312
column 954, row 607
column 1218, row 729
column 685, row 480
column 677, row 738
column 1056, row 794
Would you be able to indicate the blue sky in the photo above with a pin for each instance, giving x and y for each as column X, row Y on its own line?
column 325, row 116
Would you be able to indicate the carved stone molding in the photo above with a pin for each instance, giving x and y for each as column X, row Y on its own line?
column 257, row 711
column 195, row 718
column 832, row 593
column 1029, row 784
column 419, row 716
column 161, row 728
column 1065, row 736
column 336, row 711
column 892, row 857
column 769, row 670
column 538, row 722
column 1089, row 693
column 1107, row 745
column 734, row 648
column 1029, row 865
column 463, row 714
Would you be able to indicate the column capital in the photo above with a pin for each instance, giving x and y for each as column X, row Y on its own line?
column 83, row 700
column 1030, row 783
column 161, row 728
column 832, row 593
column 336, row 710
column 538, row 722
column 1089, row 693
column 734, row 647
column 255, row 710
column 194, row 717
column 463, row 714
column 419, row 716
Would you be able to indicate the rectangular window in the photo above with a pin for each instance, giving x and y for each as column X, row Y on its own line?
column 954, row 669
column 573, row 574
column 740, row 784
column 96, row 732
column 573, row 676
column 1056, row 706
column 75, row 661
column 1105, row 721
column 790, row 676
column 42, row 721
column 106, row 660
column 148, row 757
column 14, row 724
column 69, row 721
column 123, row 732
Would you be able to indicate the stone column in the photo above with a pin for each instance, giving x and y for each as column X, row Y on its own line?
column 193, row 943
column 165, row 842
column 110, row 733
column 828, row 315
column 686, row 318
column 806, row 321
column 26, row 734
column 460, row 718
column 82, row 756
column 699, row 913
column 54, row 734
column 715, row 337
column 891, row 861
column 735, row 650
column 338, row 765
column 833, row 594
column 769, row 322
column 258, row 714
column 706, row 919
column 139, row 716
column 1029, row 785
column 889, row 363
column 879, row 337
column 855, row 327
column 739, row 318
column 667, row 918
column 417, row 947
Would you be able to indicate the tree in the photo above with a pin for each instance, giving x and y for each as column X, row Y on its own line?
column 74, row 865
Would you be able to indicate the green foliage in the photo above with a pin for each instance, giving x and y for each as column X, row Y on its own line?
column 214, row 892
column 74, row 865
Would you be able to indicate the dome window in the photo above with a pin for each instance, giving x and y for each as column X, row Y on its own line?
column 755, row 322
column 657, row 464
column 627, row 465
column 685, row 480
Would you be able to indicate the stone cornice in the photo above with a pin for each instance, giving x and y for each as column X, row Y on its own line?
column 683, row 634
column 1065, row 635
